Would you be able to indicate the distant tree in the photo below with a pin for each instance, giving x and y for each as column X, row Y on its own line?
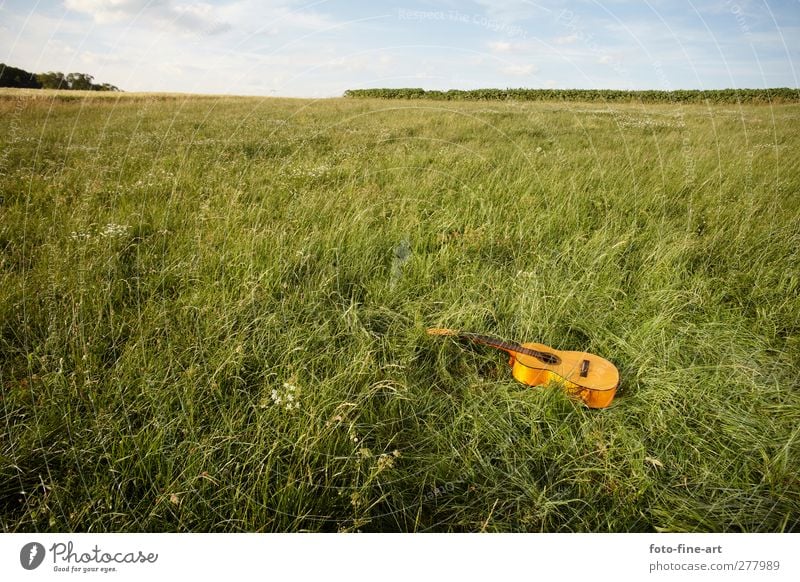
column 80, row 81
column 75, row 81
column 14, row 77
column 52, row 80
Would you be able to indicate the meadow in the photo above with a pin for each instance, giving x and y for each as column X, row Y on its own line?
column 213, row 314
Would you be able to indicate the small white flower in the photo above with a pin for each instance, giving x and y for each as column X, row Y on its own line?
column 287, row 396
column 114, row 230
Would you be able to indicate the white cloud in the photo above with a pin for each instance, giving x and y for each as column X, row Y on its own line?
column 568, row 39
column 604, row 60
column 195, row 17
column 500, row 47
column 520, row 70
column 198, row 17
column 271, row 17
column 105, row 11
column 513, row 10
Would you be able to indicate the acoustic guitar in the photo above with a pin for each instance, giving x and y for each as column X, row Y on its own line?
column 587, row 376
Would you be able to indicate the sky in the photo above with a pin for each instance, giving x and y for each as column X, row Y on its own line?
column 321, row 48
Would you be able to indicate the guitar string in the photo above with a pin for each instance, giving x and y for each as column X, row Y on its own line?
column 546, row 357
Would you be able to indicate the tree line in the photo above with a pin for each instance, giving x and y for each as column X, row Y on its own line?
column 779, row 95
column 14, row 77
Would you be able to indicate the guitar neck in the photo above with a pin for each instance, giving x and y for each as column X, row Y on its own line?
column 511, row 347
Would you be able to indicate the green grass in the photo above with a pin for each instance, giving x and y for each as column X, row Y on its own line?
column 171, row 266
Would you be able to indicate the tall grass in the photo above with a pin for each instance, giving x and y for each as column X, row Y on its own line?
column 212, row 315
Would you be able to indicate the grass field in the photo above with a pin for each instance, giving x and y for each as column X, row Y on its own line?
column 213, row 313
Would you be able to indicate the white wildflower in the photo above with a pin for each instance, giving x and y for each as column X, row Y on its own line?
column 385, row 462
column 114, row 230
column 286, row 396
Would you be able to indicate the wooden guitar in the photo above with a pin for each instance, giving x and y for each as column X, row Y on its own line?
column 591, row 378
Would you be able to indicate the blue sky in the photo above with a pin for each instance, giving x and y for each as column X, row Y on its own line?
column 320, row 48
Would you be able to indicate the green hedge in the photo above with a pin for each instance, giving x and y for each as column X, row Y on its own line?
column 779, row 95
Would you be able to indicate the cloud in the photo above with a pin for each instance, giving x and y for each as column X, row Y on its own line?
column 106, row 11
column 604, row 60
column 500, row 47
column 195, row 17
column 520, row 70
column 273, row 17
column 568, row 39
column 513, row 10
column 198, row 18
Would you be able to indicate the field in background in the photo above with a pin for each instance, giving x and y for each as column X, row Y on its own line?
column 212, row 314
column 676, row 97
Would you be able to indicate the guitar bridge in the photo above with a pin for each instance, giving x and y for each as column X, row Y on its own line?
column 584, row 368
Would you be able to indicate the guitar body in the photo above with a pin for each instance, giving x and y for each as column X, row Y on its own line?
column 589, row 377
column 596, row 389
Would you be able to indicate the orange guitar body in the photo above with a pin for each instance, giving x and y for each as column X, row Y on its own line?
column 596, row 389
column 589, row 377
